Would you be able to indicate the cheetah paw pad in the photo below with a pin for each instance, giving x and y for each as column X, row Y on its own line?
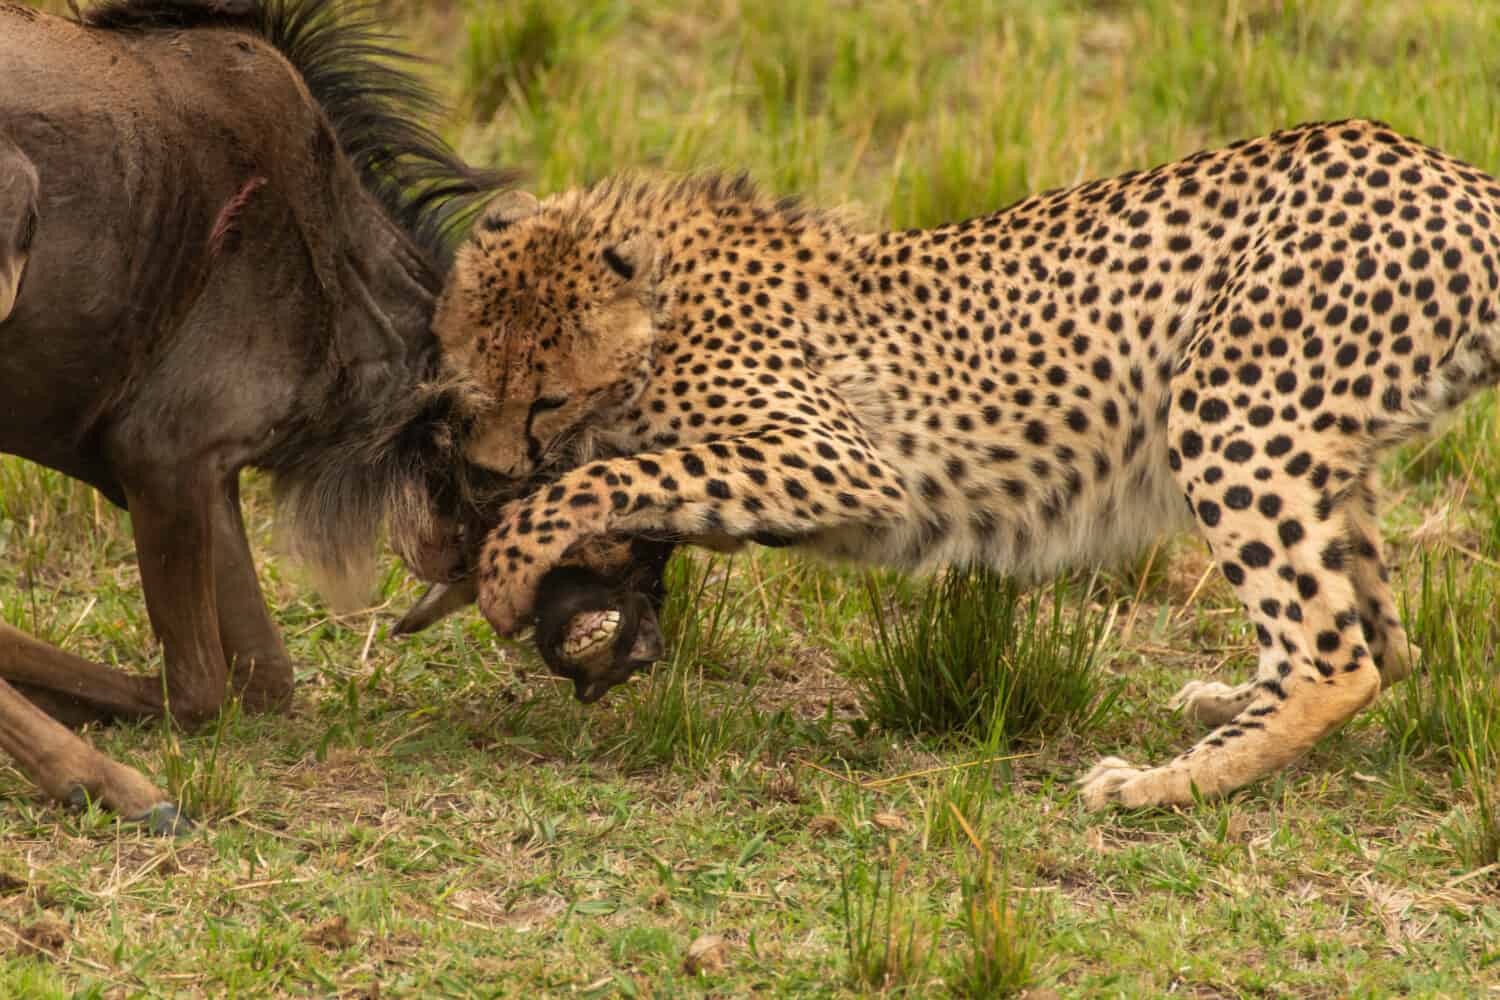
column 1103, row 785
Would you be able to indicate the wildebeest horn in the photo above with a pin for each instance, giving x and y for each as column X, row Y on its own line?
column 440, row 601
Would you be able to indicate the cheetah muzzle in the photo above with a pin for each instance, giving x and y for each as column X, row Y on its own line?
column 1229, row 342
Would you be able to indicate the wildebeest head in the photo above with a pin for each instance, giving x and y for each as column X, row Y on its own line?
column 335, row 212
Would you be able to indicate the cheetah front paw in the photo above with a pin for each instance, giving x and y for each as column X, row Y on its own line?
column 1210, row 702
column 1113, row 781
column 1105, row 781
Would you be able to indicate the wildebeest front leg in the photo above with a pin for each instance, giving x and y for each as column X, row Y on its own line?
column 260, row 669
column 74, row 689
column 68, row 769
column 172, row 511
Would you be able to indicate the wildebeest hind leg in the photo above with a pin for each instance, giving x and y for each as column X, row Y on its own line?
column 68, row 769
column 72, row 689
column 260, row 669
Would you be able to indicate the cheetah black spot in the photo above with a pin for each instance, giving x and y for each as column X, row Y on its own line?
column 1256, row 555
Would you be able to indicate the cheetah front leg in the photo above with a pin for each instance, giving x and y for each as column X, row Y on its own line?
column 764, row 486
column 1282, row 545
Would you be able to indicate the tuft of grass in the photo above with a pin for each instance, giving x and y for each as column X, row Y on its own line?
column 672, row 716
column 998, row 929
column 887, row 941
column 1000, row 945
column 966, row 789
column 981, row 656
column 1451, row 704
column 202, row 780
column 1474, row 830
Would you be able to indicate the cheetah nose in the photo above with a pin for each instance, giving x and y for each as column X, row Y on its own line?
column 496, row 449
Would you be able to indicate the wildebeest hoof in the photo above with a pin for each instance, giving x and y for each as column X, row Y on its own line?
column 603, row 648
column 591, row 637
column 165, row 820
column 592, row 633
column 161, row 820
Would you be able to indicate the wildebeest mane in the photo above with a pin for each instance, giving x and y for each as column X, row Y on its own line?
column 365, row 87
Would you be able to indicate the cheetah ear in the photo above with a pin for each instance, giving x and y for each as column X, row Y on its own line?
column 631, row 259
column 506, row 209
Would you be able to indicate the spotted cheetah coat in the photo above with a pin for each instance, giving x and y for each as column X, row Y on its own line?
column 1228, row 341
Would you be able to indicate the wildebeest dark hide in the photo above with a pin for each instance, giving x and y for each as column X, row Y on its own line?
column 221, row 233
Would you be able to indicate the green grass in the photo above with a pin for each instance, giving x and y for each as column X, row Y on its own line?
column 887, row 936
column 438, row 818
column 981, row 657
column 1001, row 935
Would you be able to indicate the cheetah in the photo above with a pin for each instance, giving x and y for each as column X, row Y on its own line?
column 1228, row 341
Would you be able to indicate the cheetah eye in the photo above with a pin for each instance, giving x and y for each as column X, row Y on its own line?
column 618, row 264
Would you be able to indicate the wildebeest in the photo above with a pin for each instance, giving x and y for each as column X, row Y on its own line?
column 221, row 235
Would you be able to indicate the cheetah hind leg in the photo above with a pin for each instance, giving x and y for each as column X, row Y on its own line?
column 1213, row 704
column 1315, row 671
column 1392, row 651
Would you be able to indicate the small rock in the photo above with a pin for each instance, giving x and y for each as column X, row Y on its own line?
column 707, row 954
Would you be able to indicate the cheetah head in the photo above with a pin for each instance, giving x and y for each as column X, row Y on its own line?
column 550, row 324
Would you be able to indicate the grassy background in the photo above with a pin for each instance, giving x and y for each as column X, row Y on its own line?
column 438, row 818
